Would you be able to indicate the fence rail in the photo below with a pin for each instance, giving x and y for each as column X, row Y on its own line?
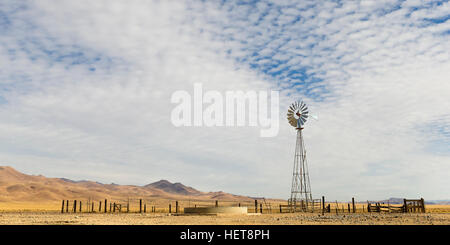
column 142, row 205
column 409, row 206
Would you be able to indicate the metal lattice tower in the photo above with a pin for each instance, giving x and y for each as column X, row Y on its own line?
column 301, row 189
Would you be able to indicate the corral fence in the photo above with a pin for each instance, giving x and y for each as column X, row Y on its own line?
column 301, row 206
column 259, row 205
column 408, row 206
column 143, row 205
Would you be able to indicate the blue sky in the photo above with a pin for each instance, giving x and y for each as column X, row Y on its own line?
column 85, row 92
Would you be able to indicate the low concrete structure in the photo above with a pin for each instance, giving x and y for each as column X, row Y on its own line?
column 216, row 210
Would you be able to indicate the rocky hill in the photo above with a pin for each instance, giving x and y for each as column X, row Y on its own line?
column 16, row 186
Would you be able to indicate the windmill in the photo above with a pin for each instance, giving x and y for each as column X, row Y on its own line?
column 301, row 189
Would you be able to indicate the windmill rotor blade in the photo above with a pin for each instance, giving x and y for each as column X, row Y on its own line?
column 302, row 121
column 303, row 105
column 304, row 116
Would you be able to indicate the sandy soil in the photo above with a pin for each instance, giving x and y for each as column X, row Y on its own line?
column 49, row 218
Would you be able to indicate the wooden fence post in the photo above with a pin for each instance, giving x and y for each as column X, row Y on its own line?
column 405, row 206
column 176, row 206
column 349, row 208
column 353, row 205
column 114, row 207
column 256, row 206
column 80, row 207
column 280, row 209
column 170, row 208
column 140, row 205
column 67, row 206
column 92, row 208
column 145, row 207
column 423, row 205
column 239, row 204
column 74, row 206
column 106, row 205
column 260, row 208
column 62, row 209
column 323, row 205
column 217, row 203
column 99, row 206
column 110, row 207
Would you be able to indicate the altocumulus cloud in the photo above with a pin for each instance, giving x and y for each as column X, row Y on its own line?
column 85, row 92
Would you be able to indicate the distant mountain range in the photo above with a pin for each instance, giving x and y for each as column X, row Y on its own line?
column 19, row 187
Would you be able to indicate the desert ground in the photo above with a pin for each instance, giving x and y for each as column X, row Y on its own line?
column 435, row 215
column 48, row 218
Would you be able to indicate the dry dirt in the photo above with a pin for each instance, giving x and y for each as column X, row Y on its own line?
column 53, row 218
